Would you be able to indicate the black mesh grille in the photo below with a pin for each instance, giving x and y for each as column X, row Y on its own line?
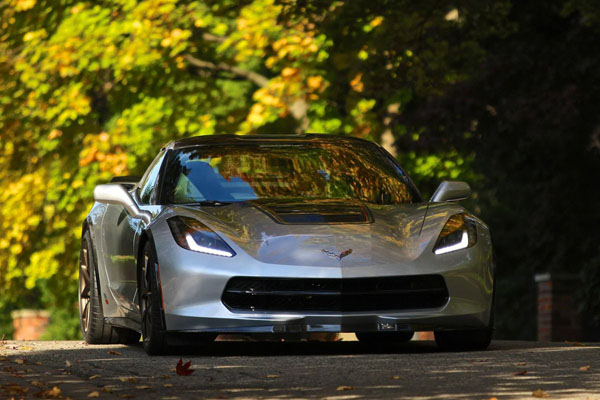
column 336, row 295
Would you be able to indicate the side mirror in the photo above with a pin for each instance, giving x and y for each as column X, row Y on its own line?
column 451, row 191
column 126, row 181
column 114, row 193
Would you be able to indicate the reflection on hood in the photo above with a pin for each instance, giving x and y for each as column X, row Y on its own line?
column 315, row 211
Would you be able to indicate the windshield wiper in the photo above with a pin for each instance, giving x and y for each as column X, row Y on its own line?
column 205, row 203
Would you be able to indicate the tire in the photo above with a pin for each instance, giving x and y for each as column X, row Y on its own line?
column 384, row 337
column 91, row 316
column 153, row 326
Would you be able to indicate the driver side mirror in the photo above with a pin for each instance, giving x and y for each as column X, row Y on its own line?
column 451, row 191
column 114, row 193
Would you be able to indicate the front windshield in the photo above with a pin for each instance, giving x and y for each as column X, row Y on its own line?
column 292, row 171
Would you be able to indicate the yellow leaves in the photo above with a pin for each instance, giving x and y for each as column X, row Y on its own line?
column 289, row 72
column 315, row 82
column 375, row 22
column 356, row 83
column 540, row 394
column 24, row 5
column 54, row 134
column 585, row 368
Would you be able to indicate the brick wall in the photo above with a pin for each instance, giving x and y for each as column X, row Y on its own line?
column 558, row 318
column 29, row 324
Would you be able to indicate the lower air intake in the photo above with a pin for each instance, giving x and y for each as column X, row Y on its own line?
column 335, row 295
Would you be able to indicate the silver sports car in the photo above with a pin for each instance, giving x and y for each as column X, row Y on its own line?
column 280, row 235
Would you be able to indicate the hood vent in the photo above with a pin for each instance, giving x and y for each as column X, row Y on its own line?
column 315, row 212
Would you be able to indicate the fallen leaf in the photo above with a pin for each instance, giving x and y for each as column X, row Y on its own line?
column 95, row 393
column 167, row 385
column 165, row 377
column 520, row 364
column 20, row 361
column 395, row 377
column 68, row 363
column 143, row 387
column 129, row 379
column 183, row 369
column 93, row 377
column 116, row 353
column 272, row 376
column 520, row 373
column 344, row 388
column 36, row 383
column 53, row 393
column 12, row 388
column 107, row 389
column 540, row 394
column 38, row 363
column 585, row 368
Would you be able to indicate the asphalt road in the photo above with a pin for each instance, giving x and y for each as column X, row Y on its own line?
column 276, row 370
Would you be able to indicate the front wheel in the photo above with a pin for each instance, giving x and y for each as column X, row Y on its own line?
column 91, row 316
column 153, row 328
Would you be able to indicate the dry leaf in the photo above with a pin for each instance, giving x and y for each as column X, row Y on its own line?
column 95, row 393
column 167, row 385
column 344, row 388
column 20, row 361
column 143, row 387
column 116, row 353
column 585, row 368
column 520, row 364
column 36, row 383
column 183, row 369
column 129, row 379
column 38, row 363
column 107, row 389
column 53, row 393
column 520, row 373
column 12, row 388
column 395, row 377
column 272, row 376
column 93, row 377
column 540, row 394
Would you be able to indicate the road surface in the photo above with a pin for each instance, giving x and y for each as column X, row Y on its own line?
column 284, row 370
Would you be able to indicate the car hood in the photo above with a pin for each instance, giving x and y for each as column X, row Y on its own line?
column 324, row 233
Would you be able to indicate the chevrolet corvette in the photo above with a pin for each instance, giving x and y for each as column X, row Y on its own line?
column 281, row 235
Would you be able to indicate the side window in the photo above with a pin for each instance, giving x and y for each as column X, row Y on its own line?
column 149, row 181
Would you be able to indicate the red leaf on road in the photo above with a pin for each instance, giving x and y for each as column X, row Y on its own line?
column 183, row 369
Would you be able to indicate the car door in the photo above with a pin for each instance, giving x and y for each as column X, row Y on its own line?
column 120, row 233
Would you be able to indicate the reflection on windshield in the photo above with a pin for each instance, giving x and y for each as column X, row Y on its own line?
column 288, row 171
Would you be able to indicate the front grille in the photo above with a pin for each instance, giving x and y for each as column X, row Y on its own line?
column 336, row 295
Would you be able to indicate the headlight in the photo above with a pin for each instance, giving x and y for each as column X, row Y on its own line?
column 458, row 233
column 193, row 235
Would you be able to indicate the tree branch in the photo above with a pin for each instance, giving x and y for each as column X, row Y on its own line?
column 254, row 77
column 209, row 37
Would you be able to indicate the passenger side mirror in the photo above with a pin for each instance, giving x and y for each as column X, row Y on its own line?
column 451, row 191
column 114, row 193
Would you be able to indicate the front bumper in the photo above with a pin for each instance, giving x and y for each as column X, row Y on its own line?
column 193, row 284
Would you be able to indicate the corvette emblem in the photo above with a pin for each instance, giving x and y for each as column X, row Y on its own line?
column 335, row 255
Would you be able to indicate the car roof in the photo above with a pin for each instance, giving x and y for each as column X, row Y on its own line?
column 228, row 139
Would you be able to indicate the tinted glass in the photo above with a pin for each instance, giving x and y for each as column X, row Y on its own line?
column 308, row 170
column 149, row 180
